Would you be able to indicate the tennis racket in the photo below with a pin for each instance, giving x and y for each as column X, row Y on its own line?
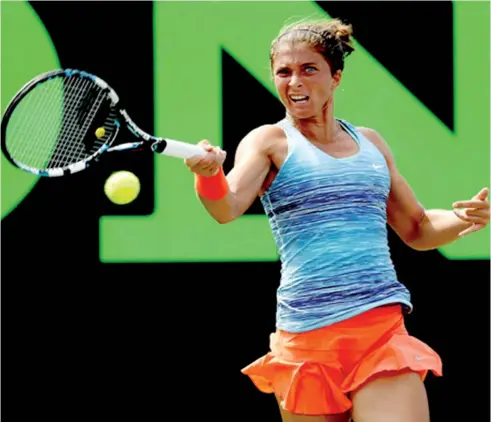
column 62, row 121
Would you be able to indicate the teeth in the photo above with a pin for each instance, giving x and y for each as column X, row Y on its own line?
column 298, row 97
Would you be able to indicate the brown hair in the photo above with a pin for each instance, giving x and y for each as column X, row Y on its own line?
column 330, row 38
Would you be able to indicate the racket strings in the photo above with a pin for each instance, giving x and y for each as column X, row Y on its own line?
column 71, row 147
column 35, row 126
column 63, row 135
column 49, row 128
column 32, row 125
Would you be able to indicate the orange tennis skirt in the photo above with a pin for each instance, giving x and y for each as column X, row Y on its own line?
column 313, row 373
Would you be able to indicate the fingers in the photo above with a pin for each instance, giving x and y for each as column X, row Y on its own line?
column 475, row 211
column 473, row 203
column 472, row 216
column 210, row 163
column 211, row 167
column 206, row 145
column 483, row 194
column 471, row 229
column 478, row 201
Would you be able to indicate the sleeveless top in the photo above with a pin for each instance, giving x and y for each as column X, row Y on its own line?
column 328, row 218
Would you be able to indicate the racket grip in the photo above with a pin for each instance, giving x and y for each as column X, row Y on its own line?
column 178, row 149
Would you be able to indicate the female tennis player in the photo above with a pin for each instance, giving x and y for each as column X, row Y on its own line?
column 328, row 188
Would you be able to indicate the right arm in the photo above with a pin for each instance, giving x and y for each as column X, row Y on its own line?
column 251, row 167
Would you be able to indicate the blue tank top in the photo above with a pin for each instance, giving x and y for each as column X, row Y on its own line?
column 328, row 218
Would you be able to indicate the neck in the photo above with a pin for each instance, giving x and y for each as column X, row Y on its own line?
column 320, row 129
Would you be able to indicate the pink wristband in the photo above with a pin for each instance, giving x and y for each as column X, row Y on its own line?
column 214, row 187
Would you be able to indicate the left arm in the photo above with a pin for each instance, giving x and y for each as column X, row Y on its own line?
column 427, row 229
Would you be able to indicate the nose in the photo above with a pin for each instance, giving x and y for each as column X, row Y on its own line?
column 295, row 80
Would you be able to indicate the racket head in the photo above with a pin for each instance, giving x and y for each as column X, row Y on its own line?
column 49, row 127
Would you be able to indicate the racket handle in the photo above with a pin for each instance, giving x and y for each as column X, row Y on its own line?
column 178, row 149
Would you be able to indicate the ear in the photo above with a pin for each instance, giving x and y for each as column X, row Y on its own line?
column 336, row 79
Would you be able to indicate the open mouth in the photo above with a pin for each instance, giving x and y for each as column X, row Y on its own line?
column 299, row 99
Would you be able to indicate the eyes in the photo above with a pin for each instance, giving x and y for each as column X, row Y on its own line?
column 306, row 69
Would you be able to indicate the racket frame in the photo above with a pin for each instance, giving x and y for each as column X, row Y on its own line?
column 145, row 141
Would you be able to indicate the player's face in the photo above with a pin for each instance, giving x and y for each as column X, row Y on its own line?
column 303, row 80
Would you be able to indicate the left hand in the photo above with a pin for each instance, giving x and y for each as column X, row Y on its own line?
column 475, row 211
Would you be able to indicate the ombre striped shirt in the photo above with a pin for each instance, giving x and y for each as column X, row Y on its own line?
column 328, row 218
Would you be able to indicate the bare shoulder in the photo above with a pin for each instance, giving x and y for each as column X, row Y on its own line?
column 262, row 139
column 375, row 138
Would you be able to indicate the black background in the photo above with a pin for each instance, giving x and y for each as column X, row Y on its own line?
column 129, row 341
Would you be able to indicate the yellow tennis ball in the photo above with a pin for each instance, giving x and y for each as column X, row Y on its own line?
column 100, row 132
column 122, row 187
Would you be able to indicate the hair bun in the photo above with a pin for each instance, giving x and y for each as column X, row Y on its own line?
column 343, row 32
